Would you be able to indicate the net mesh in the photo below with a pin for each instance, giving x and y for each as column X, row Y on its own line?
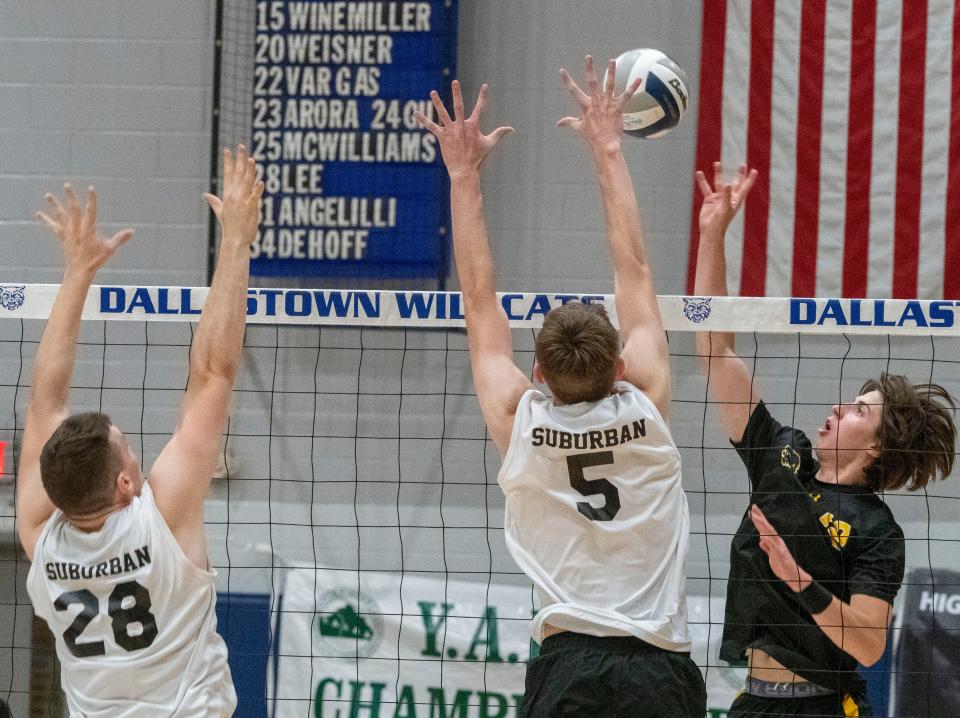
column 357, row 527
column 238, row 29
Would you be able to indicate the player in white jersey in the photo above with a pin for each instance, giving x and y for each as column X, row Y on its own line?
column 119, row 564
column 595, row 512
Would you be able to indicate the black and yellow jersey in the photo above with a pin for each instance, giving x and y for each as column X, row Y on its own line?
column 844, row 536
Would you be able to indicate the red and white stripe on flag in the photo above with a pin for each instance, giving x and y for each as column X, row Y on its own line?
column 850, row 110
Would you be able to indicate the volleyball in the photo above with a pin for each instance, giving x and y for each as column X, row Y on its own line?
column 661, row 101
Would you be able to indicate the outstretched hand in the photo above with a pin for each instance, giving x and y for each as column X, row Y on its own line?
column 722, row 202
column 84, row 248
column 782, row 562
column 239, row 209
column 463, row 146
column 601, row 112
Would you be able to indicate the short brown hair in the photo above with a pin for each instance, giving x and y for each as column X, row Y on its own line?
column 79, row 464
column 577, row 350
column 916, row 434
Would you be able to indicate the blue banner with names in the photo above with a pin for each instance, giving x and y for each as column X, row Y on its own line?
column 354, row 186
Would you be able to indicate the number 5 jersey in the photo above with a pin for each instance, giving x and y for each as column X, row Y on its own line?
column 134, row 618
column 597, row 518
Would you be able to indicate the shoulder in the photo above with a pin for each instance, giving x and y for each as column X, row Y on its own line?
column 877, row 519
column 144, row 513
column 764, row 431
column 41, row 535
column 531, row 401
column 145, row 502
column 877, row 534
column 532, row 398
column 626, row 393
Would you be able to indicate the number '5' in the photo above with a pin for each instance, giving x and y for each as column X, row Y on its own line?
column 576, row 463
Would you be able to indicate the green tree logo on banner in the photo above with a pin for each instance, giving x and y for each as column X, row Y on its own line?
column 347, row 624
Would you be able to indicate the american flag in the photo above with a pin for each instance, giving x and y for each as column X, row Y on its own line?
column 850, row 110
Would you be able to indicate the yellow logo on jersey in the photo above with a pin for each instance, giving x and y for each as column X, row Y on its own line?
column 790, row 459
column 839, row 530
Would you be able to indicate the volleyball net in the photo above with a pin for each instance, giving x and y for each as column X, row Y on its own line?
column 356, row 524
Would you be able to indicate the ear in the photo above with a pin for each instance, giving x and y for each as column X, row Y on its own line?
column 125, row 486
column 620, row 371
column 537, row 374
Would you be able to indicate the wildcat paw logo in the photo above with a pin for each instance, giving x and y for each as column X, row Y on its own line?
column 347, row 624
column 696, row 309
column 790, row 459
column 11, row 297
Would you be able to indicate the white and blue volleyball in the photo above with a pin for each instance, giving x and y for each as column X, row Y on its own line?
column 661, row 101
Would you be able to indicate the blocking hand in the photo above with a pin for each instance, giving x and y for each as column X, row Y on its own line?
column 782, row 562
column 239, row 209
column 601, row 112
column 724, row 200
column 84, row 248
column 463, row 146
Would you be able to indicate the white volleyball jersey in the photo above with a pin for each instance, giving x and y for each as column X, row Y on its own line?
column 134, row 618
column 596, row 516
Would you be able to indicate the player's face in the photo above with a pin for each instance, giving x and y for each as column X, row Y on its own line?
column 851, row 429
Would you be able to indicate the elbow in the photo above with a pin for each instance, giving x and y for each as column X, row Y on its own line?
column 702, row 343
column 871, row 649
column 869, row 658
column 876, row 651
column 471, row 290
column 710, row 346
column 477, row 293
column 212, row 370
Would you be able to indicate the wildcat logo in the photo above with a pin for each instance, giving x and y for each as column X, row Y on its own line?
column 11, row 297
column 839, row 530
column 696, row 309
column 790, row 459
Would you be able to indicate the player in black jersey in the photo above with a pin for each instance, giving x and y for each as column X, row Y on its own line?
column 818, row 558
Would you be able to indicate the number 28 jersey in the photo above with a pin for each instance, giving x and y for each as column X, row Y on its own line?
column 134, row 618
column 597, row 518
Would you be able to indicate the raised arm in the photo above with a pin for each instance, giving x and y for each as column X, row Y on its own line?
column 730, row 382
column 498, row 382
column 84, row 251
column 645, row 353
column 182, row 473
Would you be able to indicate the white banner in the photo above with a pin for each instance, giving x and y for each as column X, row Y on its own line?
column 348, row 307
column 399, row 646
column 450, row 649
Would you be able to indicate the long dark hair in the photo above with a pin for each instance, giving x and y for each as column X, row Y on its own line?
column 916, row 435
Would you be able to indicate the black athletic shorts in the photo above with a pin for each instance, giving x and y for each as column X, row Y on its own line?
column 591, row 677
column 834, row 706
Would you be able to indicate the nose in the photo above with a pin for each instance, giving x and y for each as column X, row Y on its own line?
column 836, row 409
